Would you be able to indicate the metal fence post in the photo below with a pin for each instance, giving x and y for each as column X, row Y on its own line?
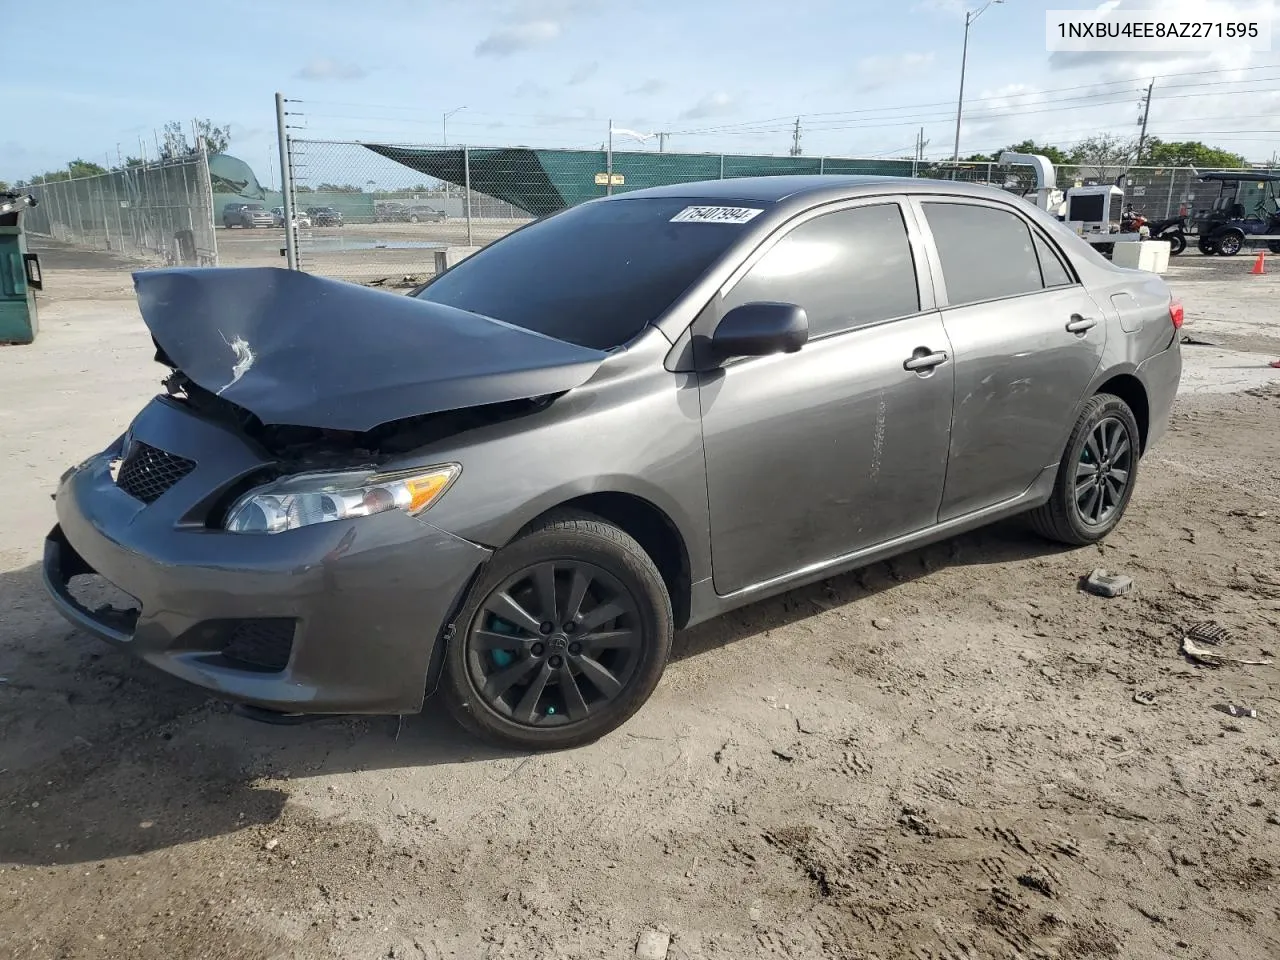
column 466, row 183
column 722, row 166
column 286, row 187
column 207, row 187
column 822, row 165
column 1168, row 204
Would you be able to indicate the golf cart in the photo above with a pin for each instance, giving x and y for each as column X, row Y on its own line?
column 1228, row 226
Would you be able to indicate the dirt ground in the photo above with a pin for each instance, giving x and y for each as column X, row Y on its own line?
column 955, row 755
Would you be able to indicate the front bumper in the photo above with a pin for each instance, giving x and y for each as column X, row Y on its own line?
column 365, row 602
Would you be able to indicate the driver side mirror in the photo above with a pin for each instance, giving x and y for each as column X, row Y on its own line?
column 759, row 330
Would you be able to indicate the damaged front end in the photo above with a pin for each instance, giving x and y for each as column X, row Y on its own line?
column 329, row 382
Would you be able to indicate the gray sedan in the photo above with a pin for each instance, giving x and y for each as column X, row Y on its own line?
column 513, row 485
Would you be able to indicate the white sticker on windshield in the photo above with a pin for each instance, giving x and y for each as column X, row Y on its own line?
column 716, row 215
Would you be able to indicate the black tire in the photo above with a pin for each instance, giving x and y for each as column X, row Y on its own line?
column 1177, row 243
column 1273, row 246
column 1230, row 243
column 623, row 569
column 1063, row 518
column 1207, row 246
column 413, row 218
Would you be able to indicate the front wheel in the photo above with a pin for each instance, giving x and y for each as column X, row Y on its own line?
column 1095, row 477
column 563, row 638
column 1177, row 242
column 414, row 218
column 1273, row 246
column 1207, row 246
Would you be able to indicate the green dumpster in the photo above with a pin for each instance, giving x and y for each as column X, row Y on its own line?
column 19, row 273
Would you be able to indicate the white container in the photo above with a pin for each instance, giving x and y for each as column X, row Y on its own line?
column 1150, row 255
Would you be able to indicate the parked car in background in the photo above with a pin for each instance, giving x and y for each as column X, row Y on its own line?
column 419, row 213
column 324, row 216
column 246, row 215
column 394, row 212
column 300, row 220
column 514, row 484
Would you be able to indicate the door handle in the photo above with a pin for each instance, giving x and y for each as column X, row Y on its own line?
column 1080, row 324
column 924, row 361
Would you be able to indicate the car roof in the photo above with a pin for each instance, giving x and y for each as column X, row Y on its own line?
column 808, row 189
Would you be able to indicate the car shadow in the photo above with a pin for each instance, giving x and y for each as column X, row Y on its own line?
column 102, row 756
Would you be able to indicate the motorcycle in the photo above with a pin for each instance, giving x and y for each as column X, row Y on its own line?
column 1173, row 230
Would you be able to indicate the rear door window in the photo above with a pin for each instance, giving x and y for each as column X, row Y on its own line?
column 986, row 253
column 847, row 269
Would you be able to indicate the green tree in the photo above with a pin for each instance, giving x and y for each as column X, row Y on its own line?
column 85, row 168
column 338, row 188
column 1096, row 156
column 1187, row 153
column 4, row 186
column 216, row 139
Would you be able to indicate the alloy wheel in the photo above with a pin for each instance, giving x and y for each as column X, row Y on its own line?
column 1103, row 472
column 555, row 643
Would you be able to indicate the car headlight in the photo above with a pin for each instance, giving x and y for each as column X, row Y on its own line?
column 302, row 500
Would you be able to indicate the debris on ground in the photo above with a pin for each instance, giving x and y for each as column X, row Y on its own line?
column 1145, row 697
column 1211, row 658
column 1209, row 632
column 1235, row 710
column 653, row 945
column 271, row 844
column 1102, row 583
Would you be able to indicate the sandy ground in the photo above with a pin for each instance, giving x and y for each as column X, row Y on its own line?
column 954, row 755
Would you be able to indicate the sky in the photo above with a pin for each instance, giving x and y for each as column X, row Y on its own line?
column 717, row 75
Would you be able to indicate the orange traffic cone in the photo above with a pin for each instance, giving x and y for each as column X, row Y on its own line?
column 1259, row 265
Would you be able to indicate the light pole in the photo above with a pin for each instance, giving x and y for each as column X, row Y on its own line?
column 969, row 18
column 444, row 119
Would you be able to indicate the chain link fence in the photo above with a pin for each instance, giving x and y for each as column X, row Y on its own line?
column 158, row 213
column 393, row 214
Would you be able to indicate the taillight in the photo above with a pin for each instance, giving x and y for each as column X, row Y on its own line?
column 1176, row 313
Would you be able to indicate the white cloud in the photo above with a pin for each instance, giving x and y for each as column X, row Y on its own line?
column 894, row 62
column 531, row 90
column 518, row 37
column 584, row 73
column 325, row 68
column 648, row 88
column 712, row 105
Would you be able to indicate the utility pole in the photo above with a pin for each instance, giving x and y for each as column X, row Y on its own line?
column 1146, row 112
column 921, row 143
column 662, row 142
column 795, row 139
column 969, row 19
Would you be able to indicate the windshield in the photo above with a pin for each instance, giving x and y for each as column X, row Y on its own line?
column 253, row 206
column 594, row 275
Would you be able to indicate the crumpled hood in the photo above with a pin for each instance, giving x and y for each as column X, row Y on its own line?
column 292, row 348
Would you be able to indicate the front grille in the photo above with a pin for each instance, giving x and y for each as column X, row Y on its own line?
column 261, row 644
column 147, row 472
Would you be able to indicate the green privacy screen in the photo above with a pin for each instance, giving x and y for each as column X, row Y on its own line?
column 544, row 181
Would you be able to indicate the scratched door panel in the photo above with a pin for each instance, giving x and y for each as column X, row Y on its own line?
column 1019, row 377
column 815, row 454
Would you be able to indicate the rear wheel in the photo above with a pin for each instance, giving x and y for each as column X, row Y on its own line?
column 562, row 639
column 413, row 218
column 1273, row 246
column 1177, row 243
column 1229, row 244
column 1095, row 477
column 1207, row 246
